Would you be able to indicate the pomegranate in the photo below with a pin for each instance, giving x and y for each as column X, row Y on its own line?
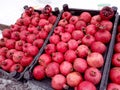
column 19, row 45
column 98, row 47
column 118, row 29
column 80, row 65
column 38, row 72
column 82, row 51
column 23, row 35
column 74, row 78
column 3, row 51
column 44, row 59
column 52, row 69
column 116, row 59
column 2, row 58
column 73, row 20
column 43, row 34
column 63, row 22
column 57, row 57
column 96, row 19
column 103, row 36
column 66, row 15
column 77, row 35
column 91, row 29
column 88, row 39
column 2, row 42
column 10, row 53
column 80, row 25
column 6, row 33
column 70, row 55
column 93, row 75
column 26, row 60
column 43, row 22
column 6, row 64
column 43, row 16
column 10, row 43
column 38, row 43
column 66, row 68
column 15, row 35
column 118, row 37
column 61, row 47
column 17, row 56
column 52, row 19
column 50, row 48
column 25, row 46
column 58, row 30
column 58, row 82
column 106, row 13
column 54, row 39
column 32, row 29
column 65, row 37
column 47, row 9
column 72, row 44
column 69, row 28
column 85, row 16
column 15, row 27
column 35, row 21
column 86, row 85
column 30, row 38
column 48, row 27
column 16, row 67
column 113, row 86
column 117, row 47
column 95, row 59
column 26, row 21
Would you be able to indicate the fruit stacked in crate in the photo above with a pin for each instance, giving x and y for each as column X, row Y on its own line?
column 75, row 52
column 22, row 41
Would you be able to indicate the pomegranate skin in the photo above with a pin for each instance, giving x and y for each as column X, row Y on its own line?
column 86, row 85
column 80, row 25
column 65, row 37
column 113, row 86
column 10, row 43
column 72, row 44
column 95, row 60
column 116, row 60
column 73, row 20
column 50, row 48
column 91, row 29
column 118, row 37
column 80, row 65
column 54, row 39
column 93, row 75
column 117, row 47
column 16, row 67
column 77, row 35
column 66, row 15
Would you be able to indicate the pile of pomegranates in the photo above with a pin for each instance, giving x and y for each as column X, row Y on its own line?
column 74, row 55
column 22, row 41
column 114, row 75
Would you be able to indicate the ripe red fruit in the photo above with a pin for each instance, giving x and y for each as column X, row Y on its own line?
column 86, row 85
column 23, row 35
column 30, row 38
column 95, row 60
column 16, row 67
column 66, row 15
column 43, row 34
column 58, row 30
column 57, row 57
column 65, row 37
column 103, row 36
column 73, row 20
column 113, row 86
column 117, row 47
column 93, row 75
column 118, row 28
column 25, row 46
column 70, row 55
column 116, row 60
column 32, row 29
column 61, row 47
column 3, row 51
column 118, row 37
column 35, row 21
column 38, row 43
column 74, row 78
column 96, row 19
column 106, row 13
column 58, row 82
column 32, row 50
column 69, row 28
column 48, row 27
column 63, row 22
column 47, row 9
column 10, row 53
column 80, row 65
column 54, row 39
column 88, row 39
column 43, row 16
column 98, row 47
column 80, row 25
column 52, row 69
column 10, row 44
column 77, row 35
column 15, row 35
column 66, row 68
column 2, row 42
column 44, row 59
column 26, row 21
column 50, row 48
column 2, row 58
column 6, row 64
column 43, row 22
column 52, row 19
column 6, row 33
column 115, row 75
column 17, row 56
column 107, row 25
column 83, row 51
column 91, row 29
column 19, row 45
column 26, row 60
column 38, row 72
column 85, row 16
column 72, row 44
column 16, row 27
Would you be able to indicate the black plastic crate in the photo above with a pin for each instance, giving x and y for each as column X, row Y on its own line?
column 16, row 75
column 108, row 64
column 45, row 83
